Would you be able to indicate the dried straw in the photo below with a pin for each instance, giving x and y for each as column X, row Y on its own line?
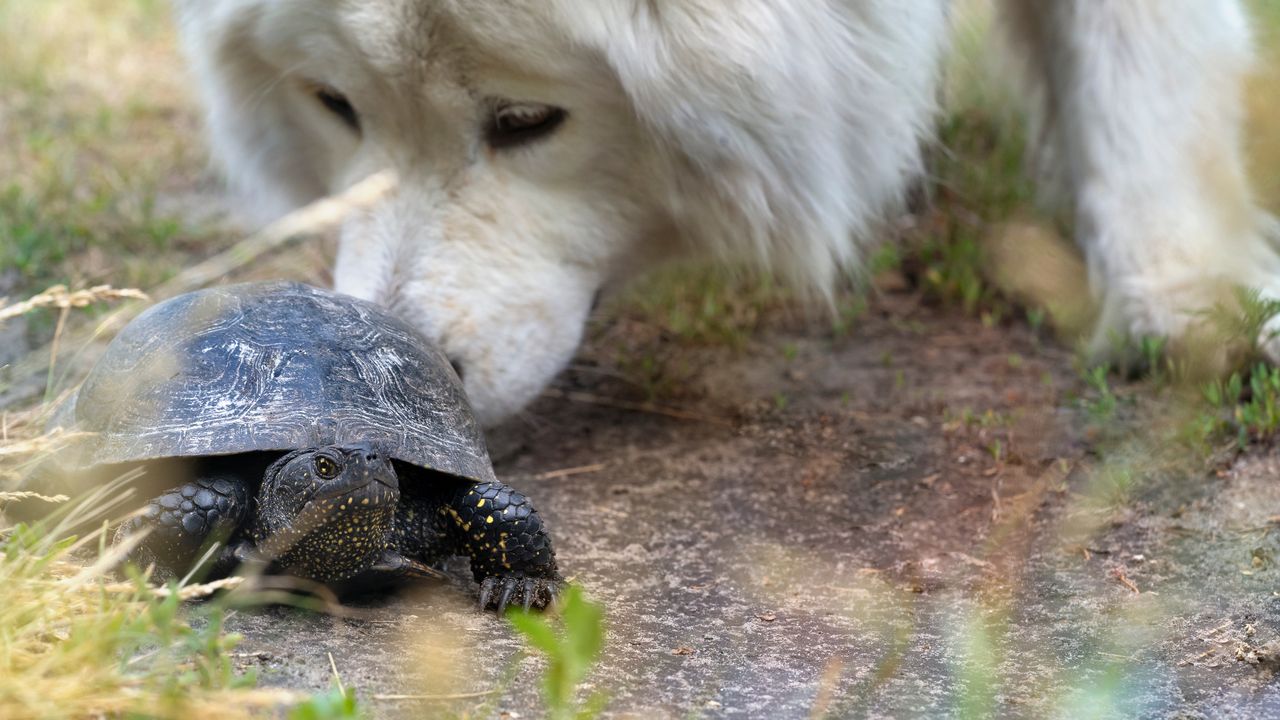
column 185, row 593
column 314, row 219
column 26, row 495
column 59, row 297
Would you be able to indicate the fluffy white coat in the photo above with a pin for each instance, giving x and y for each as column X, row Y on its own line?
column 771, row 131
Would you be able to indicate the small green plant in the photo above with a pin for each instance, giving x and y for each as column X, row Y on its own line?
column 987, row 419
column 1247, row 318
column 885, row 258
column 1248, row 408
column 1245, row 406
column 337, row 704
column 847, row 315
column 1035, row 319
column 571, row 649
column 1152, row 351
column 1101, row 407
column 953, row 271
column 979, row 168
column 1221, row 393
column 1113, row 486
column 702, row 306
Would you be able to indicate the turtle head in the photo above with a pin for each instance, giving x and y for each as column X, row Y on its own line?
column 325, row 513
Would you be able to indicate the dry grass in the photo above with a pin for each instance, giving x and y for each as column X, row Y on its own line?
column 96, row 127
column 7, row 497
column 59, row 297
column 76, row 643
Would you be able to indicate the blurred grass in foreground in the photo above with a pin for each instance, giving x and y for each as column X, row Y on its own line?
column 572, row 646
column 76, row 643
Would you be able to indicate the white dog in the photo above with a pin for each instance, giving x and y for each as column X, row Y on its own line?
column 546, row 148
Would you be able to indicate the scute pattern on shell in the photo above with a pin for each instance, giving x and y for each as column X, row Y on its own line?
column 275, row 366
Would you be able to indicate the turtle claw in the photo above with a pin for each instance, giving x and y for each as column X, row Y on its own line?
column 508, row 587
column 486, row 592
column 528, row 592
column 530, row 587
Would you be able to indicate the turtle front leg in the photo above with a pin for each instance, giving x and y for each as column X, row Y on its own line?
column 184, row 521
column 510, row 549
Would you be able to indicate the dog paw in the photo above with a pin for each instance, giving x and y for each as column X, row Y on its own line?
column 1205, row 330
column 1196, row 326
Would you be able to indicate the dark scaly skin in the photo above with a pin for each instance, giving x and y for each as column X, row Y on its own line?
column 186, row 520
column 352, row 528
column 496, row 527
column 327, row 529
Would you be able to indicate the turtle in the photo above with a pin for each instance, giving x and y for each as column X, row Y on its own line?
column 308, row 430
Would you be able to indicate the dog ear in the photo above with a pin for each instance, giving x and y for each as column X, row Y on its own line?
column 784, row 129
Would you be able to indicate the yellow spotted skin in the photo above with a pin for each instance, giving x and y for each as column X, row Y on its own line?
column 344, row 545
column 501, row 532
column 494, row 525
column 326, row 529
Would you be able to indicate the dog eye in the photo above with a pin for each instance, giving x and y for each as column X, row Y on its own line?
column 338, row 104
column 513, row 124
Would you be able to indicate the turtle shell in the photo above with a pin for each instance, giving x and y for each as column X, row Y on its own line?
column 275, row 366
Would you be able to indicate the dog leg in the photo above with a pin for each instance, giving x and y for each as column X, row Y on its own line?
column 1144, row 98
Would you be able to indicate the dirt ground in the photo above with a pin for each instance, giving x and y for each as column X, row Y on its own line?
column 912, row 519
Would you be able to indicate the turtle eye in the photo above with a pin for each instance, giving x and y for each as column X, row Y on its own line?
column 326, row 468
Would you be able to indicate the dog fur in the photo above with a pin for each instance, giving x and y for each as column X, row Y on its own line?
column 777, row 132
